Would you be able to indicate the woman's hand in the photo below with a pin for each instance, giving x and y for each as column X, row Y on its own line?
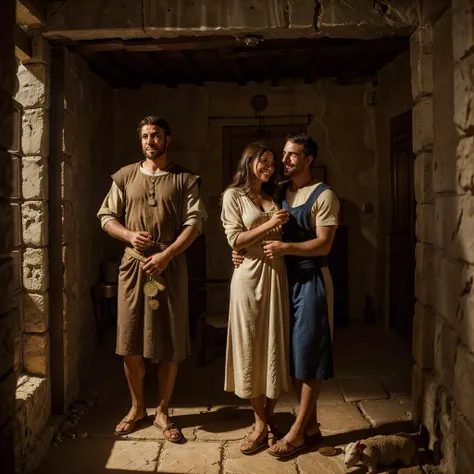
column 279, row 218
column 140, row 240
column 157, row 263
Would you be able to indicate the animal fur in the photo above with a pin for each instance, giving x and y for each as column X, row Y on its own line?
column 380, row 451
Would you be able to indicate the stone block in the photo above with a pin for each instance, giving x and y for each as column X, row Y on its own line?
column 354, row 390
column 314, row 462
column 6, row 181
column 343, row 423
column 417, row 395
column 35, row 139
column 465, row 442
column 191, row 457
column 224, row 16
column 464, row 96
column 465, row 317
column 465, row 165
column 69, row 266
column 237, row 463
column 424, row 274
column 423, row 178
column 36, row 356
column 423, row 125
column 301, row 15
column 386, row 416
column 444, row 351
column 447, row 424
column 455, row 226
column 68, row 134
column 6, row 124
column 7, row 396
column 423, row 336
column 463, row 34
column 67, row 181
column 455, row 286
column 35, row 270
column 106, row 19
column 34, row 177
column 421, row 61
column 430, row 409
column 425, row 223
column 330, row 393
column 430, row 10
column 34, row 85
column 67, row 213
column 35, row 312
column 34, row 216
column 464, row 382
column 137, row 456
column 6, row 283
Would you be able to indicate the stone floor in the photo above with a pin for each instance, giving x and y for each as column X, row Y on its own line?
column 370, row 395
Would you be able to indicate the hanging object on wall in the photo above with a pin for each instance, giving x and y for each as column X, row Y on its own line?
column 259, row 103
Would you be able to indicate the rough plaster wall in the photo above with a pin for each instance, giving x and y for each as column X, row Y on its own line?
column 88, row 142
column 342, row 126
column 393, row 97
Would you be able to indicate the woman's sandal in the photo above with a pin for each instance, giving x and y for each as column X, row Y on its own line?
column 168, row 427
column 273, row 435
column 251, row 446
column 132, row 424
column 292, row 451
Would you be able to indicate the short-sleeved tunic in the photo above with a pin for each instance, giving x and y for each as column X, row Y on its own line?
column 257, row 361
column 161, row 334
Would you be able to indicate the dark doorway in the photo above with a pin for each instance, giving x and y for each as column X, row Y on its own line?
column 402, row 233
column 235, row 139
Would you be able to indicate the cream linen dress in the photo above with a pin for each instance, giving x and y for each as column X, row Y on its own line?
column 257, row 359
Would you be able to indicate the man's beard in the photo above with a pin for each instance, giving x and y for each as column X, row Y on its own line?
column 155, row 152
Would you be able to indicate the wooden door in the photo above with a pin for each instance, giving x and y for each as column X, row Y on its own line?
column 235, row 139
column 402, row 235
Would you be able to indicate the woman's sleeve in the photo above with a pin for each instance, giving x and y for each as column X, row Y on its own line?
column 231, row 216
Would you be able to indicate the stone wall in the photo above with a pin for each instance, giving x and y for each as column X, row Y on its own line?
column 86, row 166
column 9, row 318
column 342, row 123
column 393, row 97
column 443, row 87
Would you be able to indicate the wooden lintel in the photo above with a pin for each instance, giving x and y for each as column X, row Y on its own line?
column 195, row 71
column 23, row 50
column 31, row 13
column 167, row 44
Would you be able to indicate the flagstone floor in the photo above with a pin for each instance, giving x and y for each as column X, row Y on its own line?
column 370, row 395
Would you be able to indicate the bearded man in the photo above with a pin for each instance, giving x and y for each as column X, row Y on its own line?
column 163, row 215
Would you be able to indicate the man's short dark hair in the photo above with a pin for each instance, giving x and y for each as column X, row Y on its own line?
column 310, row 145
column 154, row 120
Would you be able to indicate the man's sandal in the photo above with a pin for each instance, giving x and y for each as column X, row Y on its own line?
column 167, row 428
column 290, row 449
column 251, row 446
column 132, row 424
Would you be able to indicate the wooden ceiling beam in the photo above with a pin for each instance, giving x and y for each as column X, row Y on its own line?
column 169, row 77
column 193, row 67
column 31, row 13
column 23, row 50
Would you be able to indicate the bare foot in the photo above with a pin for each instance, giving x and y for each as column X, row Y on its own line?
column 162, row 420
column 130, row 420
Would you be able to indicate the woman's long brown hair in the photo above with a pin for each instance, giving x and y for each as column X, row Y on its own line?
column 244, row 178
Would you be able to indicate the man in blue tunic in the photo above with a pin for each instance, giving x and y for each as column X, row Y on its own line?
column 308, row 237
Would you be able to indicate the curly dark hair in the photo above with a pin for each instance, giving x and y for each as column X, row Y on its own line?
column 243, row 178
column 310, row 145
column 154, row 120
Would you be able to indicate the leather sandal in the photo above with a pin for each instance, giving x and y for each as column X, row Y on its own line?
column 250, row 446
column 168, row 427
column 132, row 424
column 290, row 449
column 273, row 435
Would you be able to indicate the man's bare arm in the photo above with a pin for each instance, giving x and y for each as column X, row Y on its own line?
column 140, row 240
column 318, row 247
column 183, row 241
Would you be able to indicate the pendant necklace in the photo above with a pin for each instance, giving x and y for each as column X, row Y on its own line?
column 151, row 200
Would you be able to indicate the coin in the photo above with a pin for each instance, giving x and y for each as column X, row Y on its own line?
column 153, row 304
column 151, row 288
column 152, row 202
column 327, row 451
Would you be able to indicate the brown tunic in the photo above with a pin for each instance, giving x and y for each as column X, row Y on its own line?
column 162, row 334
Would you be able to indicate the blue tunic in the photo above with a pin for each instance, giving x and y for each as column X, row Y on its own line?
column 311, row 349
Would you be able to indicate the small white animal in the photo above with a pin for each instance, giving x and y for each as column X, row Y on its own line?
column 380, row 451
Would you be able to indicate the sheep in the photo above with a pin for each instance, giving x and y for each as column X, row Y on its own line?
column 380, row 451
